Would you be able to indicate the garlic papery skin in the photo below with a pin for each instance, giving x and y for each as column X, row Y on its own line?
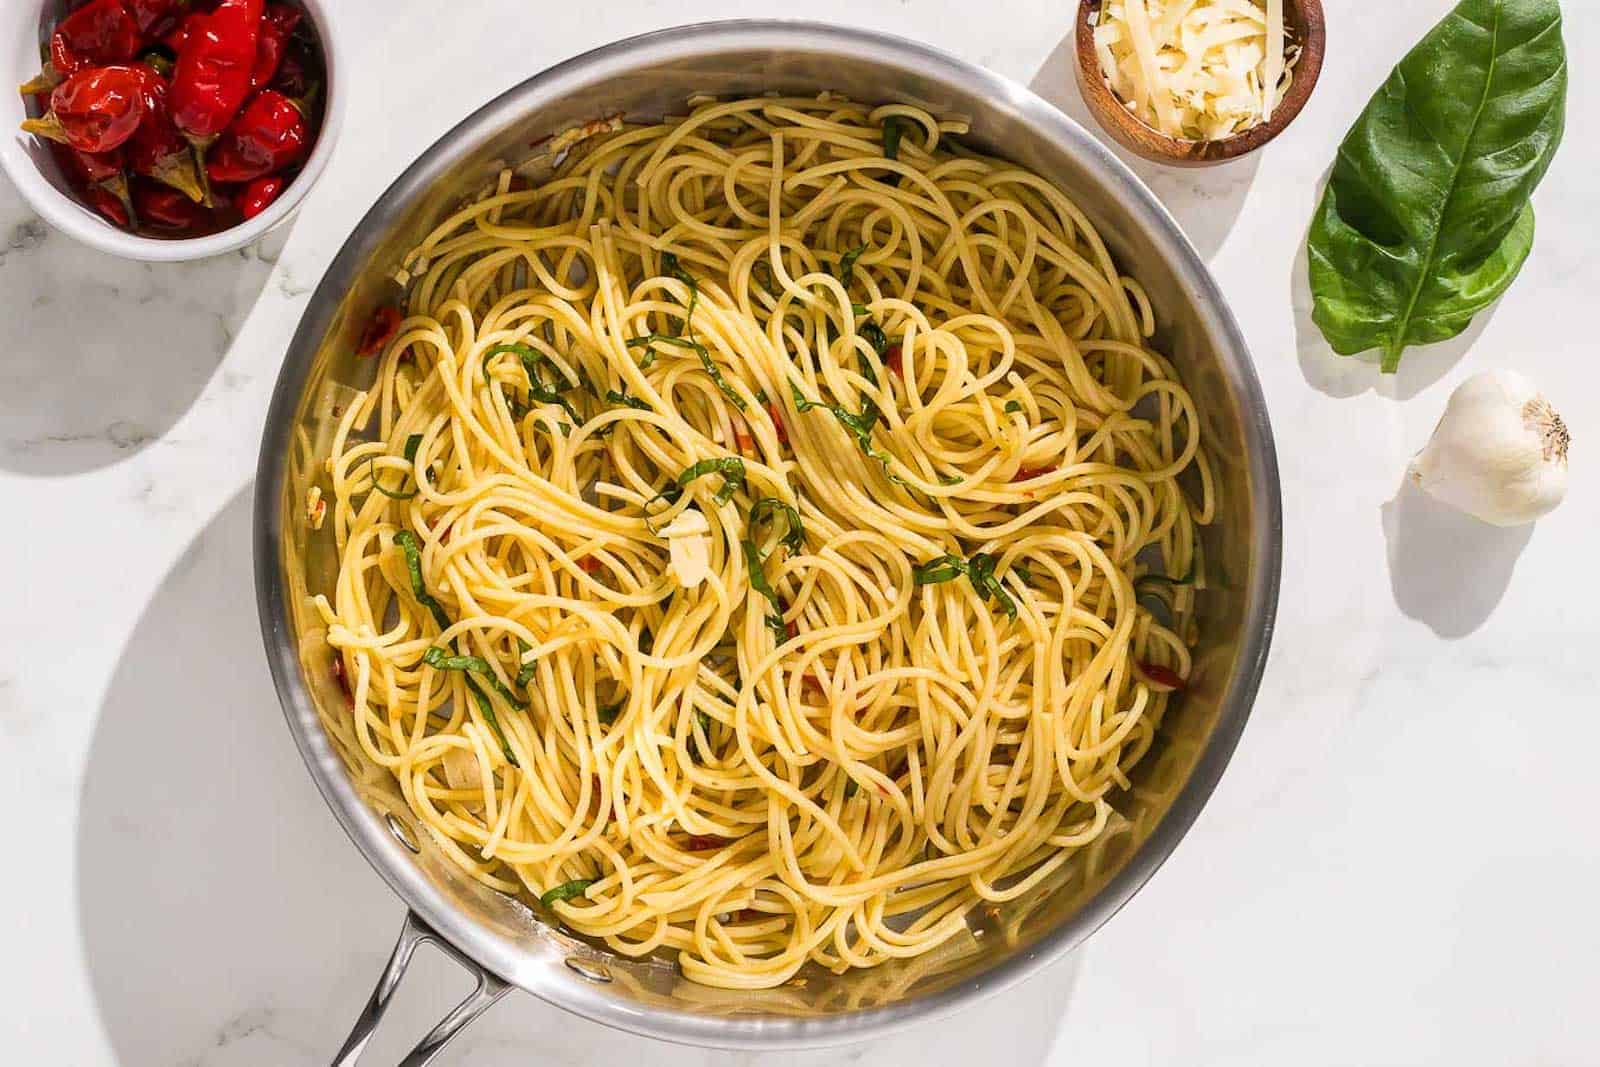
column 1499, row 452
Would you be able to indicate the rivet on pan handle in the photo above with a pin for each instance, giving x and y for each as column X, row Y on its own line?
column 412, row 934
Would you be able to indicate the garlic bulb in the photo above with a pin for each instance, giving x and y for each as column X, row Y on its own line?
column 1499, row 452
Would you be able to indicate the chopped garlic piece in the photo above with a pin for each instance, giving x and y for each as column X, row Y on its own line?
column 1200, row 70
column 689, row 547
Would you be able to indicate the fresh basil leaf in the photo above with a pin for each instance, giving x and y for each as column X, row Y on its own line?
column 413, row 443
column 565, row 891
column 1426, row 219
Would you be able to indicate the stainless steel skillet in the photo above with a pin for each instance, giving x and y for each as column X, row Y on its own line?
column 503, row 941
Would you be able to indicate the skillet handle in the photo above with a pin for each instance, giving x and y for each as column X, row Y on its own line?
column 415, row 932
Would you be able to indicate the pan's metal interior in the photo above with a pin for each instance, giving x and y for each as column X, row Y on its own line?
column 646, row 78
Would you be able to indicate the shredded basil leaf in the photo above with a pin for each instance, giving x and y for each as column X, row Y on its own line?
column 950, row 479
column 758, row 582
column 704, row 722
column 486, row 709
column 847, row 264
column 893, row 130
column 565, row 891
column 700, row 351
column 410, row 452
column 860, row 426
column 730, row 467
column 615, row 397
column 538, row 388
column 673, row 269
column 764, row 509
column 979, row 571
column 408, row 545
column 440, row 659
column 1013, row 407
column 525, row 671
column 943, row 569
column 858, row 309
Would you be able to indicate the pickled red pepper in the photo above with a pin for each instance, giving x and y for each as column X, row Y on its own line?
column 212, row 76
column 260, row 194
column 269, row 135
column 98, row 33
column 95, row 110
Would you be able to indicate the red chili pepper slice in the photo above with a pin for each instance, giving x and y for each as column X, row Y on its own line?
column 777, row 425
column 260, row 194
column 1160, row 675
column 892, row 360
column 157, row 149
column 1028, row 474
column 385, row 323
column 95, row 110
column 268, row 135
column 278, row 21
column 706, row 842
column 212, row 77
column 791, row 629
column 164, row 206
column 589, row 565
column 98, row 33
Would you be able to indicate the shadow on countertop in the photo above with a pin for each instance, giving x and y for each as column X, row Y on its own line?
column 1206, row 201
column 226, row 919
column 1447, row 569
column 110, row 353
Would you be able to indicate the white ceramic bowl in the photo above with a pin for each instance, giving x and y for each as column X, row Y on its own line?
column 32, row 169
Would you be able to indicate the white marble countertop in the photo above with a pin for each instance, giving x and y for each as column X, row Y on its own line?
column 1401, row 866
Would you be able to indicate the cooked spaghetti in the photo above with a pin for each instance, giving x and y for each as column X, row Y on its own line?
column 763, row 540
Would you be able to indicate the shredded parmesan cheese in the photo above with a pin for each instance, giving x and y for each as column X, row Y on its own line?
column 1200, row 70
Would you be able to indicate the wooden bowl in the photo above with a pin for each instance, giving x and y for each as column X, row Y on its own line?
column 1304, row 22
